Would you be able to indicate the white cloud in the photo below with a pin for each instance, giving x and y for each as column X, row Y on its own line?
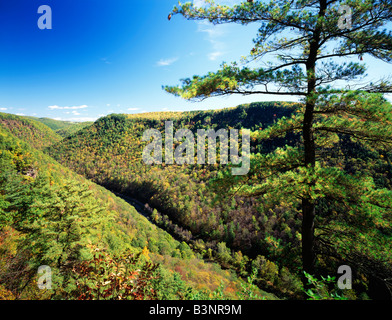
column 20, row 114
column 214, row 35
column 198, row 3
column 168, row 110
column 3, row 109
column 55, row 107
column 77, row 119
column 133, row 109
column 215, row 55
column 166, row 62
column 213, row 31
column 105, row 60
column 82, row 119
column 202, row 3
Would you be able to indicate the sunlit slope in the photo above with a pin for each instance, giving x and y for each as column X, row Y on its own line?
column 37, row 134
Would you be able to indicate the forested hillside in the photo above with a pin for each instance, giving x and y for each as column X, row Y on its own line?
column 242, row 233
column 52, row 216
column 208, row 228
column 109, row 153
column 36, row 134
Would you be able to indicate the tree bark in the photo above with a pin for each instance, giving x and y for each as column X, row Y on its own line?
column 308, row 204
column 308, row 252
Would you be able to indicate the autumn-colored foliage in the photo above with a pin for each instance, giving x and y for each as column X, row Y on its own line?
column 55, row 216
column 124, row 277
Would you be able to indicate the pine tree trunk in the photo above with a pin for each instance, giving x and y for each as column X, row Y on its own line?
column 308, row 253
column 308, row 205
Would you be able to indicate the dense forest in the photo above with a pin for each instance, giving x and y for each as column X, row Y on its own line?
column 242, row 233
column 189, row 230
column 51, row 216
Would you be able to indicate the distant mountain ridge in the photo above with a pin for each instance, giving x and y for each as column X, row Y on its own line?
column 62, row 127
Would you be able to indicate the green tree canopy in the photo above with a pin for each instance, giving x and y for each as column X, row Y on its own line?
column 301, row 49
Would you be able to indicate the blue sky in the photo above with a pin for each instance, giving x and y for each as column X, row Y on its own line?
column 103, row 57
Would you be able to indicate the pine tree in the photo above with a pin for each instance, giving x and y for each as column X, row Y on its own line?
column 59, row 224
column 303, row 45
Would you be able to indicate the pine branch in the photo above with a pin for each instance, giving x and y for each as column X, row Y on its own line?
column 356, row 134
